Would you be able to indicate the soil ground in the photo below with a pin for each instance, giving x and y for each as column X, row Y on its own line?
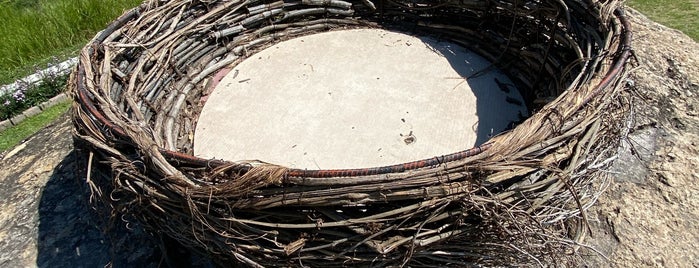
column 648, row 216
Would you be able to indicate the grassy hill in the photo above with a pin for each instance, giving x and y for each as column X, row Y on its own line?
column 36, row 32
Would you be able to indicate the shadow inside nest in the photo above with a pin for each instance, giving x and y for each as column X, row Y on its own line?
column 500, row 105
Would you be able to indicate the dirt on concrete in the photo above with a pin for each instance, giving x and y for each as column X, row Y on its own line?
column 648, row 216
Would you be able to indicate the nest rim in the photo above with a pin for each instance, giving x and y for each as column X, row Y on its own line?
column 177, row 156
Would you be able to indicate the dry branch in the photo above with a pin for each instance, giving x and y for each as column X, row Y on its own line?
column 518, row 199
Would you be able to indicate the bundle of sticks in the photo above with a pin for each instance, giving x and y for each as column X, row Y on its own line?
column 520, row 198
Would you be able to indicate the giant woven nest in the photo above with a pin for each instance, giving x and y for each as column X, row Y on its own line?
column 519, row 198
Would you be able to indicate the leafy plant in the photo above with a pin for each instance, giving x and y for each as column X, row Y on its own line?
column 26, row 95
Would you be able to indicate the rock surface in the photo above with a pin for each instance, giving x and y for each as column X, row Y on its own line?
column 45, row 220
column 647, row 217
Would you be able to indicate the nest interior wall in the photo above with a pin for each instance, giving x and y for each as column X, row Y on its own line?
column 138, row 90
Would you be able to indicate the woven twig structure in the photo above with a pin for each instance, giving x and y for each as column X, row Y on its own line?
column 519, row 198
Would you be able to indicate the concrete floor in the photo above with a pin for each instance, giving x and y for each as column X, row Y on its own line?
column 352, row 99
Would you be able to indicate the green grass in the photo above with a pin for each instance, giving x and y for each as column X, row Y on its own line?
column 15, row 134
column 36, row 32
column 679, row 14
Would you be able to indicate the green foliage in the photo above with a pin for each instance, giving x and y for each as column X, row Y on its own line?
column 13, row 135
column 34, row 31
column 19, row 4
column 679, row 14
column 27, row 96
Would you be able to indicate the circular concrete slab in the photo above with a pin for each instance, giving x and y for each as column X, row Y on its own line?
column 353, row 99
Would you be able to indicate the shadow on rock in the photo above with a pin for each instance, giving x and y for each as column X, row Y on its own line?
column 69, row 235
